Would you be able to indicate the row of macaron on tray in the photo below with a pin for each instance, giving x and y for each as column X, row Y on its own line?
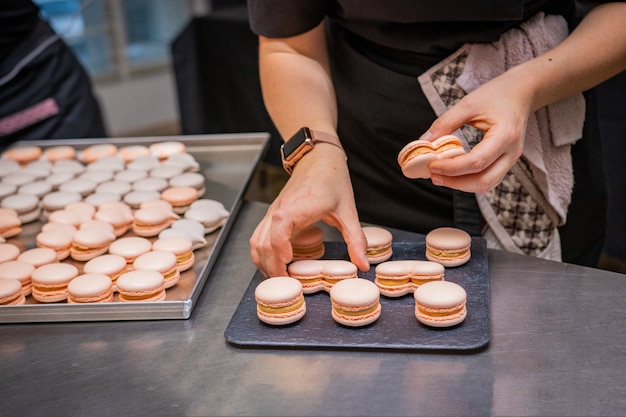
column 106, row 213
column 355, row 301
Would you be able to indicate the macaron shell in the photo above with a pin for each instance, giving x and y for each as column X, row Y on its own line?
column 440, row 303
column 321, row 274
column 8, row 252
column 19, row 270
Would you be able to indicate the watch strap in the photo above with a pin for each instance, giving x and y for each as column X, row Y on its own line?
column 319, row 136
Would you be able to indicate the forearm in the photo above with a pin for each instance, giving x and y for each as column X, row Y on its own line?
column 296, row 83
column 594, row 52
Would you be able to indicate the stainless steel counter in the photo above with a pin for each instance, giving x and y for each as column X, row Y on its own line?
column 558, row 347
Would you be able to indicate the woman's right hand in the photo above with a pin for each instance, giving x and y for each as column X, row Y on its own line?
column 319, row 189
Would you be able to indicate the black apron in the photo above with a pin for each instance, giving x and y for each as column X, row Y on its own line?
column 385, row 93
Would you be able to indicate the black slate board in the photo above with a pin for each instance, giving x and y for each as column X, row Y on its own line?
column 396, row 328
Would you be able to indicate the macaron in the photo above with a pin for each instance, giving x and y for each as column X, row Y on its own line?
column 90, row 288
column 130, row 175
column 19, row 270
column 306, row 243
column 97, row 224
column 321, row 274
column 141, row 285
column 92, row 153
column 59, row 240
column 38, row 256
column 107, row 163
column 83, row 210
column 38, row 188
column 11, row 292
column 7, row 190
column 25, row 205
column 23, row 155
column 449, row 246
column 355, row 302
column 50, row 281
column 116, row 187
column 10, row 224
column 89, row 243
column 130, row 247
column 151, row 184
column 96, row 199
column 160, row 261
column 189, row 179
column 186, row 161
column 82, row 186
column 8, row 252
column 198, row 241
column 180, row 198
column 121, row 219
column 110, row 265
column 136, row 197
column 210, row 219
column 397, row 278
column 440, row 303
column 150, row 222
column 163, row 150
column 98, row 176
column 8, row 166
column 64, row 216
column 144, row 163
column 60, row 152
column 180, row 246
column 72, row 166
column 208, row 203
column 58, row 178
column 19, row 178
column 131, row 152
column 280, row 301
column 379, row 244
column 165, row 173
column 417, row 155
column 58, row 200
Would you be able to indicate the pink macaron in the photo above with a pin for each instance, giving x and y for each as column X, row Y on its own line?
column 21, row 271
column 440, row 304
column 141, row 285
column 90, row 288
column 321, row 274
column 89, row 243
column 180, row 246
column 307, row 243
column 280, row 301
column 160, row 261
column 397, row 278
column 11, row 292
column 355, row 302
column 449, row 246
column 416, row 156
column 379, row 244
column 50, row 281
column 108, row 264
column 130, row 247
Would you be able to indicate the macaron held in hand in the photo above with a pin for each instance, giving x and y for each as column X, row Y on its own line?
column 417, row 155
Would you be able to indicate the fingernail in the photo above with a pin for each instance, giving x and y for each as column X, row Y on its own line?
column 437, row 180
column 426, row 135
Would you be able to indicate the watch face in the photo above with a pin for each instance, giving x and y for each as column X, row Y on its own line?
column 295, row 142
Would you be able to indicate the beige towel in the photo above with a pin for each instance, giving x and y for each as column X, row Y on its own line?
column 523, row 212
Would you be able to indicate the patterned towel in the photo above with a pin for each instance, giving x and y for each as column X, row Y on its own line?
column 523, row 212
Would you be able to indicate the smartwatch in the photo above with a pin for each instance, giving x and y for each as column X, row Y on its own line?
column 302, row 143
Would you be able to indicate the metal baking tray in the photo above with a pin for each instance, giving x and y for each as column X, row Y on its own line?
column 227, row 162
column 396, row 328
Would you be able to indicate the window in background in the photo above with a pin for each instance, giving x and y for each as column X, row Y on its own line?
column 114, row 38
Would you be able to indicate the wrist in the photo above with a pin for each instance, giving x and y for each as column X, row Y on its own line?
column 301, row 143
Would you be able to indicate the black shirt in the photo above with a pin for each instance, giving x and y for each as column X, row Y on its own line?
column 427, row 28
column 17, row 19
